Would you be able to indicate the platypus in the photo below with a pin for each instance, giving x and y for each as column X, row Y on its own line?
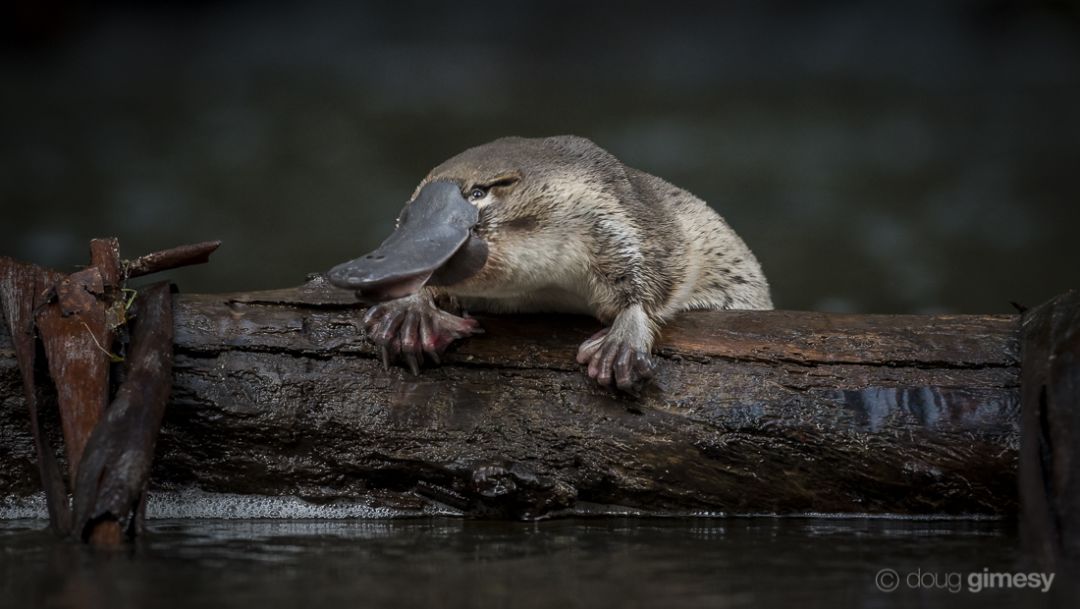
column 553, row 224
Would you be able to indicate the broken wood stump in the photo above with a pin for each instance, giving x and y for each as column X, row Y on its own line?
column 279, row 393
column 79, row 320
column 114, row 472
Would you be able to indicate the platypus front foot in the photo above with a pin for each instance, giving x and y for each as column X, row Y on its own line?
column 620, row 354
column 610, row 359
column 410, row 328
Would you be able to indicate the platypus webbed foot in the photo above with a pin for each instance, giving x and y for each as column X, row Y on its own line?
column 620, row 354
column 410, row 328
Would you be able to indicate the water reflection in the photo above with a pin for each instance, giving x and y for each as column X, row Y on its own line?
column 451, row 563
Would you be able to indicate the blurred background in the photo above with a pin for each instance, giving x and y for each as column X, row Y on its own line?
column 878, row 157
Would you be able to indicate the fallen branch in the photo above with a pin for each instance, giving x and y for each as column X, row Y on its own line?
column 784, row 412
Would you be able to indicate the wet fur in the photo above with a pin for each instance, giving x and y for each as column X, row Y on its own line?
column 581, row 232
column 569, row 228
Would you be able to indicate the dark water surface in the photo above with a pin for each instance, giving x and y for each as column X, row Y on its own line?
column 732, row 562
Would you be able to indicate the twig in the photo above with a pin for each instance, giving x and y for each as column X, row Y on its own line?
column 184, row 255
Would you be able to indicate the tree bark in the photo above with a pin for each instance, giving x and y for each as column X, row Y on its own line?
column 279, row 393
column 1049, row 487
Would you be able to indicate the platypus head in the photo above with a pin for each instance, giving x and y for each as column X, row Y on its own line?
column 432, row 244
column 474, row 219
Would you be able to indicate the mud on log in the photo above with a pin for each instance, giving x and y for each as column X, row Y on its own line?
column 278, row 393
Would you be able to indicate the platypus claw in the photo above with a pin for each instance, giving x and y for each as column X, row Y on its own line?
column 411, row 328
column 611, row 360
column 411, row 360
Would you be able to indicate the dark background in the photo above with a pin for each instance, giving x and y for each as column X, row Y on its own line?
column 878, row 157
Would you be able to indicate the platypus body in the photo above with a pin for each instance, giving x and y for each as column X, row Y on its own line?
column 551, row 224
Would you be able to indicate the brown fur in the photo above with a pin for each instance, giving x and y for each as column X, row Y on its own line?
column 570, row 228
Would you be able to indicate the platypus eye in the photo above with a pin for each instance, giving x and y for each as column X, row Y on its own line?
column 477, row 193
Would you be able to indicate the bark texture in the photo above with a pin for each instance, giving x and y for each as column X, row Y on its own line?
column 1049, row 462
column 278, row 392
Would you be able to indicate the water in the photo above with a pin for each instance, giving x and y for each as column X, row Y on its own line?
column 609, row 562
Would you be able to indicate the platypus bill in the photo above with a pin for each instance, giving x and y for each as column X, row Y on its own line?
column 550, row 224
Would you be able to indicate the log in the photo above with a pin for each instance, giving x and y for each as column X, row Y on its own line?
column 115, row 469
column 24, row 289
column 279, row 393
column 1050, row 490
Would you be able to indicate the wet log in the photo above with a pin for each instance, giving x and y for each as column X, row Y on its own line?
column 114, row 472
column 1050, row 444
column 23, row 291
column 278, row 393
